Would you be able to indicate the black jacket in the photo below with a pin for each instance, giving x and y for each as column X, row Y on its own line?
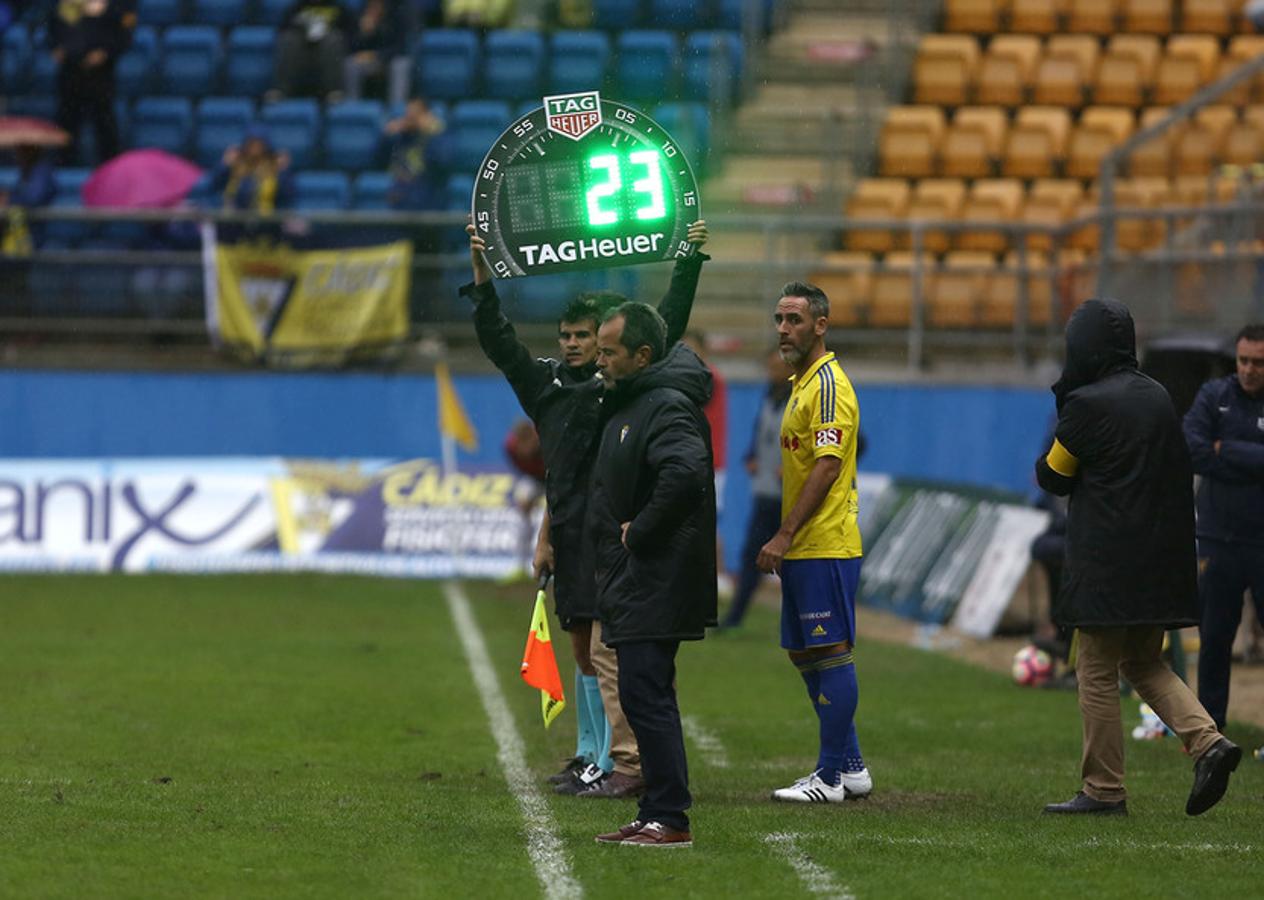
column 564, row 402
column 1231, row 495
column 654, row 470
column 77, row 35
column 1130, row 518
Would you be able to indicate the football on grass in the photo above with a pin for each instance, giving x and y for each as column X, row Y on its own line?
column 1032, row 666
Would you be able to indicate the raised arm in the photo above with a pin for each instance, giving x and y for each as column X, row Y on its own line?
column 677, row 304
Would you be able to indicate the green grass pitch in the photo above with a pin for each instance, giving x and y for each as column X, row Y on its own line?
column 322, row 737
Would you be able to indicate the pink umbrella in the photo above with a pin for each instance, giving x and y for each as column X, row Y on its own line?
column 141, row 179
column 17, row 131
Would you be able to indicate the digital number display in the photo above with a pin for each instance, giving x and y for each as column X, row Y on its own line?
column 583, row 183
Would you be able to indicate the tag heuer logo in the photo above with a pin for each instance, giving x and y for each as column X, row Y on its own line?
column 573, row 115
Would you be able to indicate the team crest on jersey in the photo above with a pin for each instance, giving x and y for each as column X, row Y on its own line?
column 573, row 115
column 623, row 433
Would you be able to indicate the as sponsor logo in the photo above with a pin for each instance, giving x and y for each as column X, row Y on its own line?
column 829, row 437
column 573, row 115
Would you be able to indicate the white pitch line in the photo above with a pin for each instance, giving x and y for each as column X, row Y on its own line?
column 817, row 879
column 552, row 867
column 713, row 752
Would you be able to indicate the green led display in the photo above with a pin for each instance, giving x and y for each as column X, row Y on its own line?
column 606, row 181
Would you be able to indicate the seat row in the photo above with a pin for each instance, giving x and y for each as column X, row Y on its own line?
column 1039, row 142
column 1046, row 203
column 452, row 64
column 1102, row 17
column 1073, row 69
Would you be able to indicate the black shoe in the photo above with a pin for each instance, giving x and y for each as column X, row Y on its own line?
column 1211, row 776
column 588, row 777
column 1083, row 804
column 573, row 765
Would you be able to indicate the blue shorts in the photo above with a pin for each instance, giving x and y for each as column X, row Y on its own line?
column 818, row 602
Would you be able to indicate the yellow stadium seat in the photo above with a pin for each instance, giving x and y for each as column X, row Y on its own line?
column 877, row 198
column 936, row 200
column 1145, row 48
column 1177, row 79
column 1198, row 148
column 1154, row 158
column 1089, row 146
column 965, row 152
column 1060, row 81
column 847, row 279
column 1086, row 48
column 1119, row 81
column 1243, row 145
column 1054, row 120
column 959, row 287
column 1147, row 16
column 990, row 200
column 1092, row 16
column 1118, row 121
column 1025, row 48
column 1050, row 202
column 941, row 78
column 1001, row 81
column 1242, row 49
column 1002, row 297
column 1028, row 152
column 991, row 119
column 1207, row 16
column 929, row 118
column 1135, row 234
column 1202, row 47
column 906, row 152
column 1035, row 16
column 980, row 16
column 892, row 299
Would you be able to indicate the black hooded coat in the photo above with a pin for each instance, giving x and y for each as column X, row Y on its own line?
column 1130, row 557
column 654, row 470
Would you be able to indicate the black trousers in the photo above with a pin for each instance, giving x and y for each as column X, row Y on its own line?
column 765, row 519
column 647, row 693
column 1227, row 571
column 87, row 93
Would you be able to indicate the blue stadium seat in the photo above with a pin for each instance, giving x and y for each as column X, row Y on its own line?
column 40, row 106
column 221, row 121
column 69, row 196
column 577, row 61
column 161, row 12
column 87, row 155
column 460, row 193
column 713, row 65
column 370, row 190
column 679, row 15
column 475, row 125
column 321, row 190
column 732, row 14
column 271, row 12
column 447, row 63
column 8, row 178
column 513, row 64
column 646, row 65
column 43, row 71
column 221, row 13
column 250, row 60
column 294, row 126
column 541, row 298
column 15, row 59
column 134, row 73
column 690, row 125
column 616, row 15
column 190, row 60
column 353, row 135
column 163, row 122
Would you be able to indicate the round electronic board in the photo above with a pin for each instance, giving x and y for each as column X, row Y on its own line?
column 583, row 183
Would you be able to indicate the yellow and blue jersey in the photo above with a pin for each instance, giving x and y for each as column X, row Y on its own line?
column 822, row 418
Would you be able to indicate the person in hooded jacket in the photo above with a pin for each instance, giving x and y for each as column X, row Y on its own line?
column 564, row 399
column 1119, row 456
column 652, row 522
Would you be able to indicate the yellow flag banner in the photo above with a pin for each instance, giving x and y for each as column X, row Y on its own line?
column 539, row 665
column 297, row 308
column 453, row 421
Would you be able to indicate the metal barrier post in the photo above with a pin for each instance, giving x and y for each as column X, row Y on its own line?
column 1021, row 314
column 917, row 326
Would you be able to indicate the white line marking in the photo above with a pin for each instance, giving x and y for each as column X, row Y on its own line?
column 713, row 752
column 544, row 847
column 817, row 879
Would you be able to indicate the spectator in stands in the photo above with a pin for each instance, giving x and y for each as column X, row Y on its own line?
column 87, row 37
column 478, row 13
column 253, row 177
column 1225, row 432
column 522, row 449
column 377, row 38
column 312, row 49
column 763, row 462
column 413, row 185
column 36, row 186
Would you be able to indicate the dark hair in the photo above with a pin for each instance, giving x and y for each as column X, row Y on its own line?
column 818, row 303
column 591, row 306
column 642, row 327
column 1252, row 332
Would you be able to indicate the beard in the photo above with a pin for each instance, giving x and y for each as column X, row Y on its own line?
column 792, row 355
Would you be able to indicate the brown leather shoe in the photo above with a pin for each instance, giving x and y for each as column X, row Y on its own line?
column 618, row 837
column 656, row 834
column 615, row 785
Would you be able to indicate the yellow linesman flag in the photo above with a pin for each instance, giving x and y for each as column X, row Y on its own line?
column 539, row 665
column 453, row 422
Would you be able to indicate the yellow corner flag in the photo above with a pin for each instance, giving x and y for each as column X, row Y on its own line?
column 539, row 666
column 453, row 422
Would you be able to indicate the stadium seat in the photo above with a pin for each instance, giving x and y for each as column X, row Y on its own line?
column 370, row 191
column 616, row 15
column 577, row 61
column 271, row 12
column 935, row 199
column 475, row 125
column 221, row 122
column 1153, row 158
column 1202, row 47
column 846, row 277
column 974, row 16
column 134, row 72
column 8, row 177
column 1147, row 16
column 944, row 69
column 744, row 15
column 161, row 13
column 1006, row 70
column 43, row 69
column 1035, row 16
column 248, row 68
column 690, row 125
column 221, row 13
column 316, row 190
column 959, row 286
column 646, row 64
column 1002, row 296
column 1176, row 80
column 69, row 196
column 1050, row 202
column 39, row 106
column 891, row 304
column 1037, row 141
column 353, row 135
column 991, row 119
column 1119, row 80
column 990, row 200
column 909, row 141
column 16, row 48
column 1208, row 16
column 712, row 65
column 1198, row 147
column 460, row 191
column 1091, row 16
column 1243, row 145
column 448, row 62
column 165, row 123
column 964, row 153
column 190, row 60
column 1060, row 81
column 678, row 15
column 294, row 126
column 513, row 64
column 1089, row 146
column 876, row 198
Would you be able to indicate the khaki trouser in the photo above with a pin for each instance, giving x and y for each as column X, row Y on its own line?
column 1135, row 653
column 623, row 749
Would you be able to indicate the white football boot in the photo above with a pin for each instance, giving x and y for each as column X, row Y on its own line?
column 813, row 789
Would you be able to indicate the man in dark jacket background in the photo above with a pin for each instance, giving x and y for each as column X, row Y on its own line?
column 1119, row 455
column 87, row 37
column 1225, row 432
column 652, row 519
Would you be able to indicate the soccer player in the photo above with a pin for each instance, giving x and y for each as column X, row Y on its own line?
column 817, row 549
